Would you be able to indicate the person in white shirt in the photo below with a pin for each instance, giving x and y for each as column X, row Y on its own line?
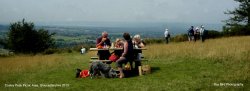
column 202, row 33
column 167, row 35
column 196, row 33
column 138, row 43
column 83, row 50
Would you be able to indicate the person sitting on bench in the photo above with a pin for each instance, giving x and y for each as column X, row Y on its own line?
column 138, row 43
column 127, row 55
column 103, row 42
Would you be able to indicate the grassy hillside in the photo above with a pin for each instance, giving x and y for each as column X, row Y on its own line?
column 177, row 66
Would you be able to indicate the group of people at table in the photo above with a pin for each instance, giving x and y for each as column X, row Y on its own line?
column 127, row 54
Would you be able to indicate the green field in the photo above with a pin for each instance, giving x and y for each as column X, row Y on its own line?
column 185, row 66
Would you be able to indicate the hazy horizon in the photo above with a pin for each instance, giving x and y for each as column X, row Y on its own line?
column 157, row 27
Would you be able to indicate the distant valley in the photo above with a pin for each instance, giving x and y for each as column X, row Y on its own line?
column 75, row 34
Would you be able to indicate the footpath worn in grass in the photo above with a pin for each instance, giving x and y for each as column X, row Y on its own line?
column 183, row 66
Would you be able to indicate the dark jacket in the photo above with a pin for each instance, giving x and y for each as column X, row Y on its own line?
column 130, row 50
column 104, row 54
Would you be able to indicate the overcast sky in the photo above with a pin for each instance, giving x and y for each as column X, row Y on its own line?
column 187, row 11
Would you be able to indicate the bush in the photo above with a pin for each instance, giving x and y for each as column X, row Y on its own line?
column 236, row 30
column 69, row 50
column 154, row 40
column 213, row 34
column 180, row 38
column 6, row 53
column 50, row 51
column 24, row 38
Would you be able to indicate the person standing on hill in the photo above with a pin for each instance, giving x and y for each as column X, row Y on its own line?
column 103, row 42
column 202, row 33
column 191, row 34
column 167, row 35
column 196, row 34
column 83, row 50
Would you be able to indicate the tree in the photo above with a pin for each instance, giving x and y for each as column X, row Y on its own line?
column 240, row 20
column 24, row 38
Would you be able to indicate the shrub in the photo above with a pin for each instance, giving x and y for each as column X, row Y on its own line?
column 214, row 34
column 180, row 38
column 154, row 40
column 69, row 50
column 50, row 51
column 24, row 38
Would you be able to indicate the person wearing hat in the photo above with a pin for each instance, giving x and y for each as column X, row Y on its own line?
column 191, row 34
column 202, row 33
column 196, row 33
column 167, row 35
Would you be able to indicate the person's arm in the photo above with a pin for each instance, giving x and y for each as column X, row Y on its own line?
column 100, row 41
column 125, row 49
column 141, row 45
column 108, row 42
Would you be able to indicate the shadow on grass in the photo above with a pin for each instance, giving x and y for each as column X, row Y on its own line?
column 155, row 69
column 135, row 72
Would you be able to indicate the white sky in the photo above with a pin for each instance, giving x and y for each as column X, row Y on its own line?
column 187, row 11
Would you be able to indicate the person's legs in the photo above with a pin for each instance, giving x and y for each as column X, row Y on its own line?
column 189, row 38
column 121, row 72
column 119, row 63
column 104, row 55
column 101, row 57
column 131, row 64
column 138, row 60
column 195, row 38
column 166, row 38
column 192, row 37
column 203, row 38
column 137, row 64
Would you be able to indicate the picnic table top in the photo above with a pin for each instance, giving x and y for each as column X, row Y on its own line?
column 96, row 49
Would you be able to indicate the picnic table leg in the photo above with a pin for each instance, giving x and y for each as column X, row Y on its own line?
column 131, row 65
column 137, row 63
column 140, row 70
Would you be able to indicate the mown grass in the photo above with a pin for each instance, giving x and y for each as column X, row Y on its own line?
column 185, row 66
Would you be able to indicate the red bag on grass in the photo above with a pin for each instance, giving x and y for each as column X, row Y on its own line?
column 113, row 57
column 84, row 73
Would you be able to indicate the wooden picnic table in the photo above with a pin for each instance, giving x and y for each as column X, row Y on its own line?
column 95, row 59
column 114, row 49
